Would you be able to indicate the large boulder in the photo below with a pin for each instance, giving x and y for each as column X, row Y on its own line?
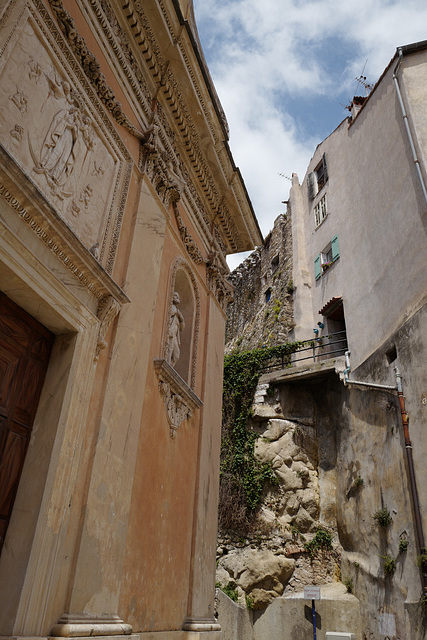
column 261, row 574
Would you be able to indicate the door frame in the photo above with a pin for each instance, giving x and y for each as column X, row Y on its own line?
column 44, row 524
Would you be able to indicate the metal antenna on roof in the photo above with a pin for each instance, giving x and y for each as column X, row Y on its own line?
column 363, row 81
column 282, row 175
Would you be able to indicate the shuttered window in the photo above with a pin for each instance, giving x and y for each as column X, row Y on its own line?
column 335, row 248
column 317, row 268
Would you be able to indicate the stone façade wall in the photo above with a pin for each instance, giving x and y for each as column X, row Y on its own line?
column 262, row 311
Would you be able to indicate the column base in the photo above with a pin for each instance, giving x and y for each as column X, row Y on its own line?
column 81, row 625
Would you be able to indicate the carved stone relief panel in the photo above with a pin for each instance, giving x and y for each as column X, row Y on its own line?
column 55, row 131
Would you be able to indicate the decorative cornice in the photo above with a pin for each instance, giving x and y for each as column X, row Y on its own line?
column 190, row 246
column 16, row 189
column 217, row 281
column 179, row 399
column 91, row 68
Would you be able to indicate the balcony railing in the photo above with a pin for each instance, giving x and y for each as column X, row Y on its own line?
column 316, row 350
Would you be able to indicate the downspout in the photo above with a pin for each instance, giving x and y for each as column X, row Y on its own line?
column 371, row 385
column 412, row 481
column 405, row 120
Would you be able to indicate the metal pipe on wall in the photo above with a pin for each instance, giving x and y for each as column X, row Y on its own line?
column 411, row 471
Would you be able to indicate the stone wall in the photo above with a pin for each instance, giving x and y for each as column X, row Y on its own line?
column 262, row 311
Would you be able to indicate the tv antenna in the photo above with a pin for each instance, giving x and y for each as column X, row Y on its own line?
column 282, row 175
column 363, row 80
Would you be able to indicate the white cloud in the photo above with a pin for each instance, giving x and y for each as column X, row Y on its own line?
column 260, row 54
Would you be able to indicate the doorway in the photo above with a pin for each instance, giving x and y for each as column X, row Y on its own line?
column 25, row 347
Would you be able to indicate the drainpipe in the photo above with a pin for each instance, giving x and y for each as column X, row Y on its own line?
column 412, row 481
column 405, row 120
column 371, row 385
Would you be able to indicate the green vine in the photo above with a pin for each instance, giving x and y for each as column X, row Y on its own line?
column 243, row 477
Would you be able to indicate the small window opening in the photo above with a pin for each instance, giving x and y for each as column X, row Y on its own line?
column 268, row 295
column 275, row 264
column 391, row 354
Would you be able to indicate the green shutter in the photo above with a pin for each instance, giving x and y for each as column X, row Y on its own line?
column 335, row 248
column 317, row 268
column 325, row 168
column 310, row 185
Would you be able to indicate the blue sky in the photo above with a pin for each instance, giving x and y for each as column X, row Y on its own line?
column 284, row 71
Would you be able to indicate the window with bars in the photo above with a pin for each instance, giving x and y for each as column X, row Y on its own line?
column 320, row 211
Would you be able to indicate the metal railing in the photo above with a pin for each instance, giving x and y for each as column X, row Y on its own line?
column 317, row 349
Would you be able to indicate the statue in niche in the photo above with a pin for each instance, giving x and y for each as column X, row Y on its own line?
column 176, row 325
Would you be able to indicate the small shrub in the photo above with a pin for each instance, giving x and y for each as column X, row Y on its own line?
column 403, row 545
column 322, row 540
column 290, row 287
column 249, row 602
column 349, row 585
column 383, row 517
column 356, row 564
column 422, row 560
column 230, row 590
column 423, row 600
column 359, row 482
column 270, row 391
column 389, row 565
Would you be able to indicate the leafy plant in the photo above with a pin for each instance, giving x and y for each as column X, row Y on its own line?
column 230, row 590
column 249, row 602
column 403, row 545
column 383, row 517
column 389, row 565
column 243, row 477
column 422, row 559
column 359, row 482
column 349, row 585
column 423, row 600
column 322, row 540
column 290, row 287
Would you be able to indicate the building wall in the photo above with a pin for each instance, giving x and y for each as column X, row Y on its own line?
column 115, row 193
column 375, row 206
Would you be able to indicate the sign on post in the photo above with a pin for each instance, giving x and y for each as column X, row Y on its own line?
column 312, row 593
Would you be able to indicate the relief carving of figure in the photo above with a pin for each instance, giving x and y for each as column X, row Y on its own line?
column 58, row 153
column 176, row 326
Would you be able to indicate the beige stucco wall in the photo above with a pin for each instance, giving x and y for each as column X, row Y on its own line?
column 375, row 206
column 114, row 524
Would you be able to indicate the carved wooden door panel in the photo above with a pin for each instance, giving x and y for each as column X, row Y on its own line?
column 25, row 347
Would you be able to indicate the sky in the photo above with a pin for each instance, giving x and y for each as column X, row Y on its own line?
column 285, row 70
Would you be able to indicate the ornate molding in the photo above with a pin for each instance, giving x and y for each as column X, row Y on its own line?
column 180, row 401
column 108, row 308
column 161, row 167
column 190, row 246
column 31, row 207
column 86, row 625
column 92, row 70
column 217, row 281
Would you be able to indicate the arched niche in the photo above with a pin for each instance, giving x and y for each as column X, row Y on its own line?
column 186, row 314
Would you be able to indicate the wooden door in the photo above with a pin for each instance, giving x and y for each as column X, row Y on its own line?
column 25, row 347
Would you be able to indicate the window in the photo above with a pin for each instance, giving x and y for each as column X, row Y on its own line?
column 274, row 264
column 267, row 295
column 326, row 258
column 317, row 179
column 320, row 211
